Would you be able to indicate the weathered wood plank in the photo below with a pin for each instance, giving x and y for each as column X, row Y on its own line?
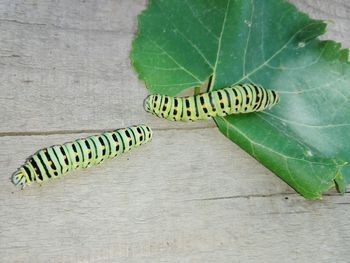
column 102, row 16
column 60, row 72
column 185, row 207
column 181, row 158
column 238, row 230
column 65, row 65
column 189, row 196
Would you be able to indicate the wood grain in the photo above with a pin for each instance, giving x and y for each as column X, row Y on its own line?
column 66, row 67
column 189, row 196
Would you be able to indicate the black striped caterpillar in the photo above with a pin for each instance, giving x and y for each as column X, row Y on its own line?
column 243, row 98
column 58, row 160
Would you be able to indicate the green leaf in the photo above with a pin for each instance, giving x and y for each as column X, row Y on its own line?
column 305, row 139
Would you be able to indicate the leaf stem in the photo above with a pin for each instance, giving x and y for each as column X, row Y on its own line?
column 197, row 90
column 210, row 81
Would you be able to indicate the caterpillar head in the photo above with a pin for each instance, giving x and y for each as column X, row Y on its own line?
column 19, row 178
column 147, row 103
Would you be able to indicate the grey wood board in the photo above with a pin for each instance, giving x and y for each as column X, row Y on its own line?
column 66, row 66
column 189, row 196
column 185, row 207
column 60, row 72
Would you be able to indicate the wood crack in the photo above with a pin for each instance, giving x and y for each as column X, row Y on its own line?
column 65, row 132
column 248, row 196
column 242, row 196
column 19, row 22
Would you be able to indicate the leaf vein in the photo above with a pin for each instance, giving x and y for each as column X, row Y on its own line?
column 267, row 148
column 334, row 125
column 275, row 54
column 176, row 62
column 186, row 38
column 200, row 20
column 248, row 38
column 219, row 45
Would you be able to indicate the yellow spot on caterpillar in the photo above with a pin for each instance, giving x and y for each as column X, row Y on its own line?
column 49, row 162
column 88, row 151
column 76, row 154
column 64, row 157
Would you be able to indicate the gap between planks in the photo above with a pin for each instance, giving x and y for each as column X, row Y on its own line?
column 286, row 194
column 63, row 132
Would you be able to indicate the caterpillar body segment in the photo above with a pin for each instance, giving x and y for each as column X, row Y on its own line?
column 244, row 98
column 58, row 160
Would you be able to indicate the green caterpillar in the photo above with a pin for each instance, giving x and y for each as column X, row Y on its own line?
column 58, row 160
column 243, row 98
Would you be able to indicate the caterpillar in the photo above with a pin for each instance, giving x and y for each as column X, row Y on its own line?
column 243, row 98
column 58, row 160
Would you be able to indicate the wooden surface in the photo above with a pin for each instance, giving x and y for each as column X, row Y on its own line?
column 189, row 196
